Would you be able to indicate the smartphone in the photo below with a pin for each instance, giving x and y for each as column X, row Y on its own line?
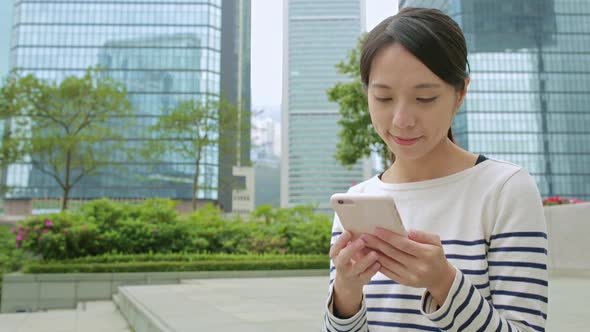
column 362, row 213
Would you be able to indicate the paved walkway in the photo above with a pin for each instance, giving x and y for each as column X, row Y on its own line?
column 92, row 317
column 257, row 305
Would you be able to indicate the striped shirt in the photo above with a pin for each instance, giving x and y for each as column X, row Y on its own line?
column 491, row 222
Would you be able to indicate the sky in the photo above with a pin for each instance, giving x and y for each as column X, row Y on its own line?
column 267, row 45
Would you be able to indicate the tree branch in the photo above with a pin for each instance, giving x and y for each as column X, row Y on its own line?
column 53, row 175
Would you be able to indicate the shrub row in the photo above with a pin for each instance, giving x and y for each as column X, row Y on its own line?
column 237, row 264
column 105, row 226
column 120, row 258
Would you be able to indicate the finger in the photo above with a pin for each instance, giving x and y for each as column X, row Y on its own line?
column 364, row 263
column 393, row 264
column 385, row 248
column 341, row 242
column 348, row 252
column 361, row 254
column 370, row 272
column 392, row 275
column 424, row 237
column 400, row 242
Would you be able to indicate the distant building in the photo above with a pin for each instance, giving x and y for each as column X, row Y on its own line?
column 317, row 35
column 266, row 139
column 528, row 100
column 6, row 8
column 165, row 53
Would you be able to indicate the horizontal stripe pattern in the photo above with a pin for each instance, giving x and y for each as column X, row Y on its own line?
column 470, row 310
column 501, row 281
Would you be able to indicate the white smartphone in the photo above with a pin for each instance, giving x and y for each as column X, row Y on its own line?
column 362, row 213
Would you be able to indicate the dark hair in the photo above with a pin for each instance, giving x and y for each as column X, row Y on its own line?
column 430, row 35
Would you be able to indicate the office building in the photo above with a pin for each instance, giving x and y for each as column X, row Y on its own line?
column 528, row 100
column 317, row 35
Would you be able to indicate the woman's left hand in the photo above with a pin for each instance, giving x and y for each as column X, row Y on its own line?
column 417, row 260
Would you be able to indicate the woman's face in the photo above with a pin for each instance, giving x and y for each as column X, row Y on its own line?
column 411, row 108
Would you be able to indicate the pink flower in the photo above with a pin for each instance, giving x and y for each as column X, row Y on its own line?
column 48, row 222
column 13, row 230
column 18, row 244
column 19, row 237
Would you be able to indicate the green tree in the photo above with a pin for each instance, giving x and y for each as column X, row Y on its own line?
column 74, row 127
column 189, row 130
column 358, row 138
column 13, row 133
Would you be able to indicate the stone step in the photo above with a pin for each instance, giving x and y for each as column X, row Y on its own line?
column 245, row 305
column 88, row 317
column 287, row 305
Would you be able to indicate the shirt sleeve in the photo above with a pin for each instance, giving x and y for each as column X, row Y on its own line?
column 356, row 323
column 517, row 264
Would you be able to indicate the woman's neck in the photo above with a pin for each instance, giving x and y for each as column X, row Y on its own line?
column 446, row 159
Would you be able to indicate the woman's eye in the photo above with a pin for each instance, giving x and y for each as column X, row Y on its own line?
column 382, row 98
column 426, row 100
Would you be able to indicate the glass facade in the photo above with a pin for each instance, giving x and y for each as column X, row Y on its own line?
column 528, row 100
column 164, row 52
column 318, row 34
column 5, row 29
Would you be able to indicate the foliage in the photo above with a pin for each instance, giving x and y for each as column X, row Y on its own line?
column 74, row 127
column 358, row 138
column 104, row 226
column 189, row 131
column 14, row 133
column 11, row 259
column 178, row 257
column 237, row 263
column 557, row 200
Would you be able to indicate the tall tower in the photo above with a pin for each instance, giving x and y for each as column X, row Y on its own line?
column 164, row 53
column 317, row 35
column 528, row 100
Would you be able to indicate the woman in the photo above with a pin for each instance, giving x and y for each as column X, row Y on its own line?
column 488, row 273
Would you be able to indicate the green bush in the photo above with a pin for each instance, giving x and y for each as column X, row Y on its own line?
column 11, row 258
column 238, row 263
column 122, row 258
column 104, row 226
column 59, row 236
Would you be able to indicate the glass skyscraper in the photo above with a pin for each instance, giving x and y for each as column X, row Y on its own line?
column 164, row 52
column 528, row 101
column 5, row 32
column 317, row 35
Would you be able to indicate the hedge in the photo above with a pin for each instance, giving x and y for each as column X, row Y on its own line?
column 103, row 227
column 236, row 264
column 120, row 258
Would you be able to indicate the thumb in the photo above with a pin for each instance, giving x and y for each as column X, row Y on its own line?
column 423, row 237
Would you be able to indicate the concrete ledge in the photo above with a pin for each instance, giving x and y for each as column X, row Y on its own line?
column 570, row 273
column 138, row 316
column 36, row 292
column 568, row 228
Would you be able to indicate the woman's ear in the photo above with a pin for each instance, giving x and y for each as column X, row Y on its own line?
column 461, row 94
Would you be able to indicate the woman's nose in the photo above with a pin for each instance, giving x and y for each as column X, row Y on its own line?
column 403, row 118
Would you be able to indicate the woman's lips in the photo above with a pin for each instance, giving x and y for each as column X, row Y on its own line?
column 404, row 140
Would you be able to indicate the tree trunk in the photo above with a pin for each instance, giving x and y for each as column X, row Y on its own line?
column 196, row 183
column 65, row 198
column 67, row 182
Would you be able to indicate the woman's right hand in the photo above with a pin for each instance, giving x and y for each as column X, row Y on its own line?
column 355, row 266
